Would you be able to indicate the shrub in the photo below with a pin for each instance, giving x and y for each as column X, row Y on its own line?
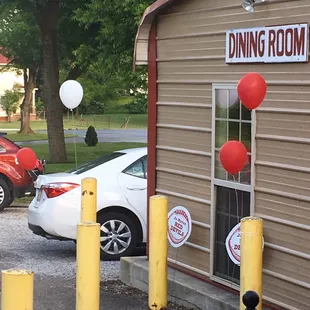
column 9, row 102
column 138, row 106
column 39, row 105
column 91, row 138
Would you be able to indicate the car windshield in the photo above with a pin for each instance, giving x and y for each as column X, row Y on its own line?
column 96, row 162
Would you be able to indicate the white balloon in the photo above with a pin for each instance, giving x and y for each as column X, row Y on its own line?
column 71, row 94
column 221, row 100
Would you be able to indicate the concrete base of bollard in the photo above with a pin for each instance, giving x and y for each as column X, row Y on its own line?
column 183, row 290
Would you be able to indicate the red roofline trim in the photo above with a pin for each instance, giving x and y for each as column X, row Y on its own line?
column 142, row 37
column 3, row 60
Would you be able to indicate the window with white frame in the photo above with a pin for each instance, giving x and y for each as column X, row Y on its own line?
column 232, row 193
column 232, row 122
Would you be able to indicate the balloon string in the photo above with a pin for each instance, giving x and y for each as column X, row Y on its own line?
column 238, row 220
column 237, row 200
column 74, row 141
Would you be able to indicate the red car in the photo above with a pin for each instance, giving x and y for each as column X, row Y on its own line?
column 15, row 182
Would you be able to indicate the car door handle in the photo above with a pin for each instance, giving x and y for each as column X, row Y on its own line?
column 136, row 188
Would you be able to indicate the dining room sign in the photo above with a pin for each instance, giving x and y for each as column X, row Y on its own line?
column 274, row 44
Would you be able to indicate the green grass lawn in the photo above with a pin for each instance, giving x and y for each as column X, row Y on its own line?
column 38, row 136
column 103, row 121
column 118, row 105
column 124, row 100
column 107, row 121
column 84, row 154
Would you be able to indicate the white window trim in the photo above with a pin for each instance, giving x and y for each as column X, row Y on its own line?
column 238, row 186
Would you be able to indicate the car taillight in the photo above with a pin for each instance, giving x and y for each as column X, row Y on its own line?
column 53, row 190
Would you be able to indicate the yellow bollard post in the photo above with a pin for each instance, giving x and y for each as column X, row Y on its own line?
column 251, row 261
column 89, row 200
column 17, row 289
column 88, row 266
column 158, row 252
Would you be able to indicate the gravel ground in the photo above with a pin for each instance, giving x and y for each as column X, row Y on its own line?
column 20, row 248
column 54, row 265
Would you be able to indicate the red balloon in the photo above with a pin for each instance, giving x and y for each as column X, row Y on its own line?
column 252, row 90
column 27, row 158
column 233, row 156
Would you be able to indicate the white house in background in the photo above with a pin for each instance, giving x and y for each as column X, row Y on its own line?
column 10, row 78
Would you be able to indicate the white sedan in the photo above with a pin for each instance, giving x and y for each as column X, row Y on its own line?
column 121, row 202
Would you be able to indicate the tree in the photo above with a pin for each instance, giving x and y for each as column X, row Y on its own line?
column 101, row 87
column 49, row 16
column 9, row 102
column 30, row 77
column 46, row 14
column 106, row 38
column 117, row 23
column 21, row 45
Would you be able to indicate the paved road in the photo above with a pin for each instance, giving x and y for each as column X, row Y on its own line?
column 111, row 135
column 54, row 265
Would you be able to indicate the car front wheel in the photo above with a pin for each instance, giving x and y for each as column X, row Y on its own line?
column 118, row 235
column 5, row 195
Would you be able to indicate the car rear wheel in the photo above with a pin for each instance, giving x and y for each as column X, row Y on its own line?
column 5, row 195
column 118, row 235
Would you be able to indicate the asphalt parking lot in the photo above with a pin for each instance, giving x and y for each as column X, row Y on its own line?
column 54, row 265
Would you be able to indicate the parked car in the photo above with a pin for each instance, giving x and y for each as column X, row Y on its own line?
column 15, row 181
column 121, row 202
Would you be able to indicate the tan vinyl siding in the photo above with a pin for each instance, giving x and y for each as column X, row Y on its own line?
column 281, row 263
column 178, row 93
column 182, row 138
column 191, row 56
column 284, row 124
column 188, row 163
column 200, row 211
column 288, row 152
column 184, row 162
column 283, row 208
column 192, row 257
column 220, row 20
column 284, row 293
column 191, row 186
column 195, row 252
column 286, row 180
column 200, row 236
column 290, row 238
column 185, row 116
